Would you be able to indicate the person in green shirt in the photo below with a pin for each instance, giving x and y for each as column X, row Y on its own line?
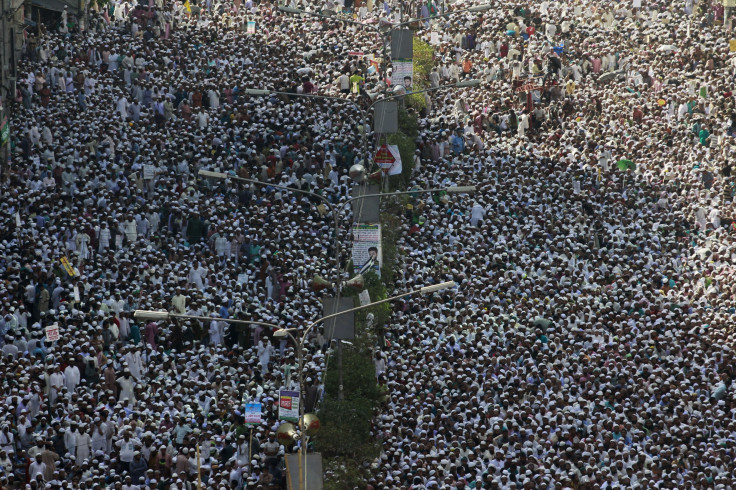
column 355, row 82
column 704, row 136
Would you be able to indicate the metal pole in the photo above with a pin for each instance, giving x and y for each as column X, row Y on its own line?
column 199, row 469
column 141, row 314
column 250, row 451
column 364, row 113
column 302, row 399
column 340, row 395
column 4, row 100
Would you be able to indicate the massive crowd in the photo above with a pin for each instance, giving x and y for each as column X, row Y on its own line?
column 588, row 343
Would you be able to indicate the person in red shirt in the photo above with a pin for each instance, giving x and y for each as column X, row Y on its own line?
column 307, row 86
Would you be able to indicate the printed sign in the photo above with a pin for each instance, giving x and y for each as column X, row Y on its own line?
column 289, row 405
column 384, row 157
column 251, row 27
column 402, row 73
column 253, row 414
column 67, row 266
column 529, row 87
column 389, row 159
column 367, row 251
column 52, row 333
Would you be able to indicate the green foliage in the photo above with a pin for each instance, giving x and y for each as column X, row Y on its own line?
column 408, row 124
column 344, row 438
column 416, row 102
column 359, row 380
column 377, row 291
column 423, row 62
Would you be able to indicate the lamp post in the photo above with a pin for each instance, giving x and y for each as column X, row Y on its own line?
column 332, row 208
column 155, row 315
column 325, row 201
column 336, row 222
column 363, row 112
column 281, row 332
column 299, row 344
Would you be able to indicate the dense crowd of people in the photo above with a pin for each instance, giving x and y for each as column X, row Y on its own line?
column 588, row 343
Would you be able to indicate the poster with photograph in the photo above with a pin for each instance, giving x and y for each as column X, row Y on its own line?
column 402, row 73
column 367, row 252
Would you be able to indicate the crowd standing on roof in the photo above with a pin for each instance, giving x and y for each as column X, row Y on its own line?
column 589, row 343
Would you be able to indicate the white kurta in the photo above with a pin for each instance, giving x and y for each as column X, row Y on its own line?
column 72, row 378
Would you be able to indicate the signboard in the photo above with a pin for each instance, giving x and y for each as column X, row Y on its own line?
column 364, row 297
column 312, row 474
column 386, row 117
column 389, row 159
column 253, row 414
column 355, row 53
column 67, row 266
column 367, row 250
column 251, row 27
column 341, row 327
column 384, row 158
column 402, row 44
column 402, row 73
column 289, row 405
column 732, row 45
column 52, row 333
column 529, row 87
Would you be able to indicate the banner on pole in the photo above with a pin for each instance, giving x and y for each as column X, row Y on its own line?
column 289, row 405
column 253, row 414
column 402, row 73
column 367, row 250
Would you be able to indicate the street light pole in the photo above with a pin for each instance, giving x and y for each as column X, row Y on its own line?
column 299, row 343
column 166, row 315
column 330, row 206
column 363, row 111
